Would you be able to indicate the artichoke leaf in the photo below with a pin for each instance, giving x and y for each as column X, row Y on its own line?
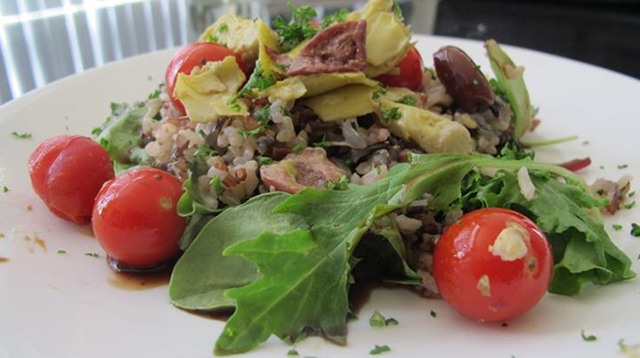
column 207, row 91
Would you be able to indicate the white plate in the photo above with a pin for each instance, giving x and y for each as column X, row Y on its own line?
column 71, row 305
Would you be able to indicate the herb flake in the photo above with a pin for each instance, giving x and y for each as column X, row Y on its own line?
column 380, row 349
column 588, row 337
column 23, row 135
column 378, row 320
column 635, row 230
column 298, row 29
column 392, row 113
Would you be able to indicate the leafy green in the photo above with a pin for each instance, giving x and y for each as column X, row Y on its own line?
column 195, row 200
column 338, row 16
column 314, row 256
column 380, row 349
column 299, row 29
column 565, row 212
column 215, row 272
column 120, row 135
column 510, row 84
column 257, row 82
column 378, row 320
column 23, row 135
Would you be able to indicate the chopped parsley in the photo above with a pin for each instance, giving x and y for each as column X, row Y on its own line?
column 392, row 113
column 92, row 254
column 635, row 230
column 24, row 135
column 433, row 314
column 378, row 320
column 216, row 185
column 262, row 118
column 154, row 94
column 223, row 28
column 623, row 166
column 588, row 338
column 380, row 349
column 298, row 147
column 205, row 152
column 379, row 92
column 339, row 184
column 408, row 100
column 631, row 205
column 62, row 252
column 256, row 83
column 5, row 189
column 262, row 160
column 323, row 143
column 336, row 17
column 292, row 352
column 616, row 227
column 298, row 29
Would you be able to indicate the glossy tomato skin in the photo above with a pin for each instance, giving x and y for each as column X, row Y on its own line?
column 487, row 279
column 67, row 172
column 193, row 55
column 410, row 74
column 135, row 218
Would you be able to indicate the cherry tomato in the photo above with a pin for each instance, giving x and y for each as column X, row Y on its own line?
column 135, row 218
column 492, row 265
column 410, row 71
column 192, row 55
column 67, row 172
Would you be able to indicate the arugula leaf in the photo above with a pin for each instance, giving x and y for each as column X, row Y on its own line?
column 510, row 84
column 302, row 268
column 215, row 272
column 313, row 258
column 582, row 249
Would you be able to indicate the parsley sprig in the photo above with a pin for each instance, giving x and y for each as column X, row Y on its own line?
column 299, row 29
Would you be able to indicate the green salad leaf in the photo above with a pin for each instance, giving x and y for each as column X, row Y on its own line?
column 510, row 83
column 310, row 257
column 120, row 135
column 215, row 273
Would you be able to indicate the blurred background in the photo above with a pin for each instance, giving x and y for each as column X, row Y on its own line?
column 45, row 40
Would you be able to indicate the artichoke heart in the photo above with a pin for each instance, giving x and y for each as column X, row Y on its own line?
column 296, row 87
column 237, row 33
column 388, row 39
column 346, row 102
column 432, row 132
column 268, row 40
column 207, row 91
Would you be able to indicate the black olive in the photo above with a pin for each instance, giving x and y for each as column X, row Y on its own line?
column 463, row 80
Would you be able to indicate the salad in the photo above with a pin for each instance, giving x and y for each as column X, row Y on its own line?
column 278, row 164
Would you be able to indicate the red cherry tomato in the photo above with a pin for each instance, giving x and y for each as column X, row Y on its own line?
column 192, row 55
column 410, row 70
column 492, row 265
column 67, row 172
column 135, row 218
